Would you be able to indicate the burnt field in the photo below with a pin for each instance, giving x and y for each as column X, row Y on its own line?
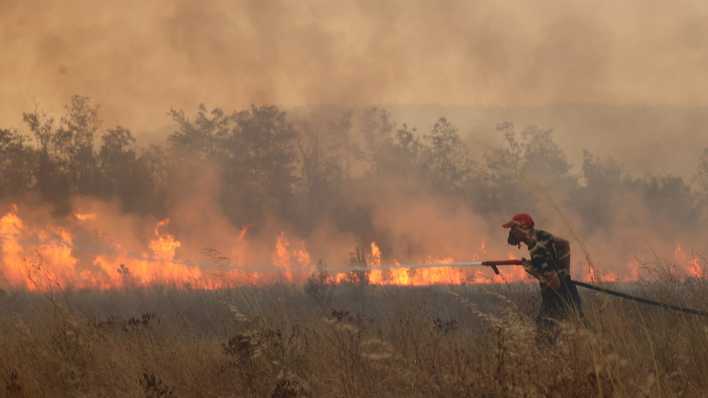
column 347, row 341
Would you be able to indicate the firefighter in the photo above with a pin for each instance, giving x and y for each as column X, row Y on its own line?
column 550, row 263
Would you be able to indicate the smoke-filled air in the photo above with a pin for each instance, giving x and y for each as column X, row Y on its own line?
column 239, row 152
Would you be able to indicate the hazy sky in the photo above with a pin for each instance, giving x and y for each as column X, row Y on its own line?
column 138, row 58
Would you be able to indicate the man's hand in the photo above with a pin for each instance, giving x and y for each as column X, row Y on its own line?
column 527, row 265
column 551, row 279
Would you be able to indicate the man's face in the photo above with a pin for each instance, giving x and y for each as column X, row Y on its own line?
column 516, row 236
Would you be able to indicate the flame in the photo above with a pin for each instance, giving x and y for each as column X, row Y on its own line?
column 375, row 258
column 35, row 256
column 43, row 258
column 164, row 246
column 689, row 264
column 294, row 263
column 11, row 227
column 402, row 276
column 695, row 269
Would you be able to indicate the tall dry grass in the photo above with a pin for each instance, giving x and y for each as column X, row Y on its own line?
column 347, row 341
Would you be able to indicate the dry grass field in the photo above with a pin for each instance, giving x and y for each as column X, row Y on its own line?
column 347, row 341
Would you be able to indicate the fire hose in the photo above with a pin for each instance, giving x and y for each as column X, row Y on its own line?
column 516, row 262
column 642, row 300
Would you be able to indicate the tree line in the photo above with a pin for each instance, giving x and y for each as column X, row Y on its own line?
column 331, row 165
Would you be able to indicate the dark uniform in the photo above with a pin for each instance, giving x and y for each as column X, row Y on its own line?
column 550, row 253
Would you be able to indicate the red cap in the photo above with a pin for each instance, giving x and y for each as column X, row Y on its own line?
column 523, row 220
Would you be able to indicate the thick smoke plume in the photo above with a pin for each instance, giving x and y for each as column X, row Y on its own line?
column 138, row 59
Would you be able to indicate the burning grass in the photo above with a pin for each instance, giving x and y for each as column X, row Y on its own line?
column 42, row 254
column 346, row 340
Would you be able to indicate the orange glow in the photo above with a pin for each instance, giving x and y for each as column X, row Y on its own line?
column 11, row 227
column 634, row 269
column 686, row 263
column 85, row 216
column 695, row 269
column 375, row 258
column 43, row 258
column 35, row 256
column 294, row 263
column 402, row 276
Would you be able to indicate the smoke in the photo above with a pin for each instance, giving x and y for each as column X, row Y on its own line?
column 139, row 59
